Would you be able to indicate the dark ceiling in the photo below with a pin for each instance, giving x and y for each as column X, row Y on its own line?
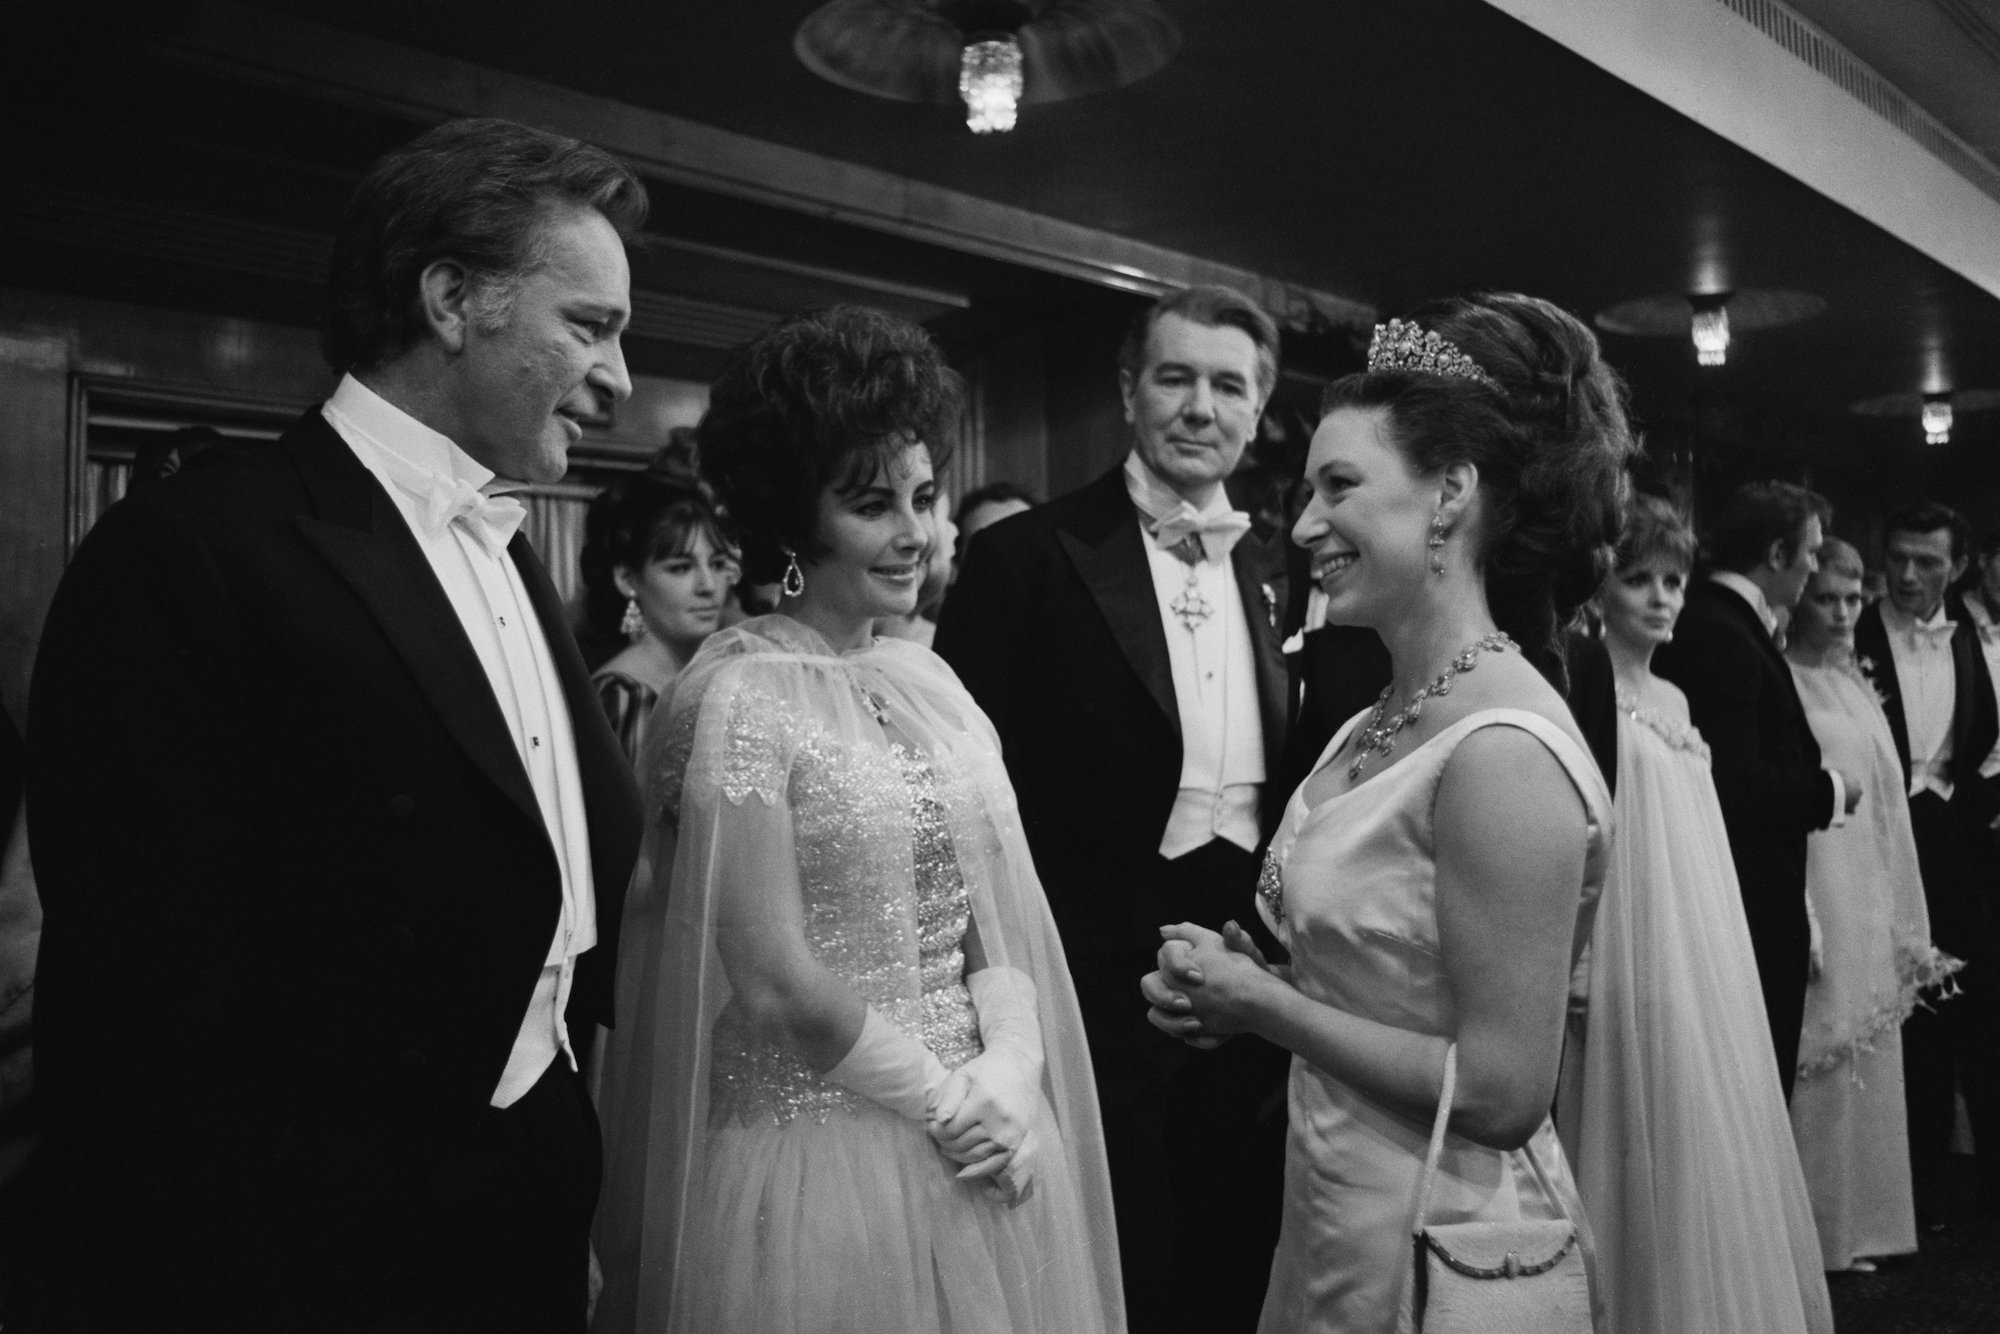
column 1378, row 152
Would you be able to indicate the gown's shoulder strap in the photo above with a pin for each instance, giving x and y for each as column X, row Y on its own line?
column 1576, row 761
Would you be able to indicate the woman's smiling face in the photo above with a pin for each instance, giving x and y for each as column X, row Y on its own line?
column 1368, row 521
column 878, row 536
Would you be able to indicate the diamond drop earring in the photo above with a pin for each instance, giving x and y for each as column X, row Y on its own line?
column 794, row 584
column 1437, row 541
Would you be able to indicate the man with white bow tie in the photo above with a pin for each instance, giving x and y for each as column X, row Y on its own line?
column 330, row 831
column 1125, row 640
column 1921, row 647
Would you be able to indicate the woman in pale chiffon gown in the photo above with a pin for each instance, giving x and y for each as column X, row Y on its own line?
column 1670, row 1108
column 848, row 1090
column 1872, row 957
column 1432, row 877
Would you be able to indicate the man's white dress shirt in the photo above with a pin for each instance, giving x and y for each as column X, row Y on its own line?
column 1215, row 678
column 451, row 504
column 1922, row 653
column 1750, row 593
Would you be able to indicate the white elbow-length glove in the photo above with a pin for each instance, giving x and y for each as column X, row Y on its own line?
column 999, row 1091
column 888, row 1066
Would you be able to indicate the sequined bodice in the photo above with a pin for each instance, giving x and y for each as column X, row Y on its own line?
column 885, row 905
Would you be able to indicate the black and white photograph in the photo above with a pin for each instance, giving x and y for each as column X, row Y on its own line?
column 1000, row 667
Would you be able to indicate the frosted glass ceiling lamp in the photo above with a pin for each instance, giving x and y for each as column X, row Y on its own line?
column 1709, row 326
column 989, row 79
column 1936, row 418
column 1710, row 319
column 995, row 56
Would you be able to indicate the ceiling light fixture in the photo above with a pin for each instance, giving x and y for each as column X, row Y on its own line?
column 989, row 79
column 995, row 56
column 1936, row 418
column 1709, row 325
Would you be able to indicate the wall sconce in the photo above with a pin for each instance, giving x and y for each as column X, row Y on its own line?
column 1936, row 417
column 1710, row 328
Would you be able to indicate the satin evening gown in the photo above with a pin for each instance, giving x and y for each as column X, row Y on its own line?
column 1350, row 888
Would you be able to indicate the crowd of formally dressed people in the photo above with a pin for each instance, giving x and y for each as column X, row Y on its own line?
column 1077, row 916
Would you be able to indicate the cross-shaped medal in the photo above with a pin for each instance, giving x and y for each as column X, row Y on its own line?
column 1192, row 608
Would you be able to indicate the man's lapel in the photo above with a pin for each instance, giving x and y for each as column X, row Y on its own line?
column 1109, row 552
column 1260, row 578
column 358, row 531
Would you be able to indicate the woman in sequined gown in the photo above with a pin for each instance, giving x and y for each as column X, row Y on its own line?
column 1431, row 877
column 1670, row 1107
column 849, row 1089
column 1873, row 957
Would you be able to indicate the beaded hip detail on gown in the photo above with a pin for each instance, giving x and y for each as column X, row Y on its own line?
column 858, row 810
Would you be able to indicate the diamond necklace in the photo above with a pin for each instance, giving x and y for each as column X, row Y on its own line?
column 1379, row 738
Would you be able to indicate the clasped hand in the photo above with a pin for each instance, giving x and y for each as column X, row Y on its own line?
column 1207, row 983
column 985, row 1116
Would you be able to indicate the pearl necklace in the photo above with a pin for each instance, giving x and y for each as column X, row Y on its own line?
column 1379, row 738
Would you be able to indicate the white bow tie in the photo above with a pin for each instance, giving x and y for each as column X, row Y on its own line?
column 492, row 520
column 1932, row 635
column 1218, row 532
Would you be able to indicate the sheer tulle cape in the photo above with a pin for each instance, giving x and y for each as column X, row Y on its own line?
column 1671, row 1110
column 849, row 1220
column 1865, row 884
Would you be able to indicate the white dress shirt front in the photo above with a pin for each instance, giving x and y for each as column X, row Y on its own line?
column 1989, row 644
column 1215, row 685
column 1929, row 685
column 1747, row 590
column 423, row 472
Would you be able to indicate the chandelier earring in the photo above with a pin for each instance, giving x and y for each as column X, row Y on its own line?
column 1437, row 541
column 794, row 584
column 633, row 625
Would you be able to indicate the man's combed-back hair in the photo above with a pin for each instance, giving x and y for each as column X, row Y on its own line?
column 827, row 398
column 1550, row 440
column 476, row 192
column 1758, row 514
column 1217, row 308
column 1929, row 516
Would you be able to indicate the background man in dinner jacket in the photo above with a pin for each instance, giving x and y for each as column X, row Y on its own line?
column 1921, row 650
column 1740, row 694
column 1125, row 640
column 330, row 831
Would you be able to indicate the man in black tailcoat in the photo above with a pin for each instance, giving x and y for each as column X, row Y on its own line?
column 330, row 831
column 1125, row 640
column 1740, row 694
column 1922, row 651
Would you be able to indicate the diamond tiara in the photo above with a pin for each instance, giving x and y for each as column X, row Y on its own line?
column 1401, row 346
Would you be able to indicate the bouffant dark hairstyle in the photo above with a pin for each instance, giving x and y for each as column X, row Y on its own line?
column 476, row 191
column 1928, row 516
column 1655, row 527
column 1216, row 307
column 1549, row 438
column 1758, row 514
column 826, row 398
column 638, row 519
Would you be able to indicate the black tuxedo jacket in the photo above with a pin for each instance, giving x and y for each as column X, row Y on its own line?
column 294, row 874
column 1055, row 629
column 1766, row 760
column 1975, row 721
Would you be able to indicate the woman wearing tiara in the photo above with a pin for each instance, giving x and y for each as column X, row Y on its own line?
column 1670, row 1110
column 1436, row 871
column 849, row 1089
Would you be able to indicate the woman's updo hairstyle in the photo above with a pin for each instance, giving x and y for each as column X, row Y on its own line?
column 1549, row 437
column 825, row 398
column 1655, row 527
